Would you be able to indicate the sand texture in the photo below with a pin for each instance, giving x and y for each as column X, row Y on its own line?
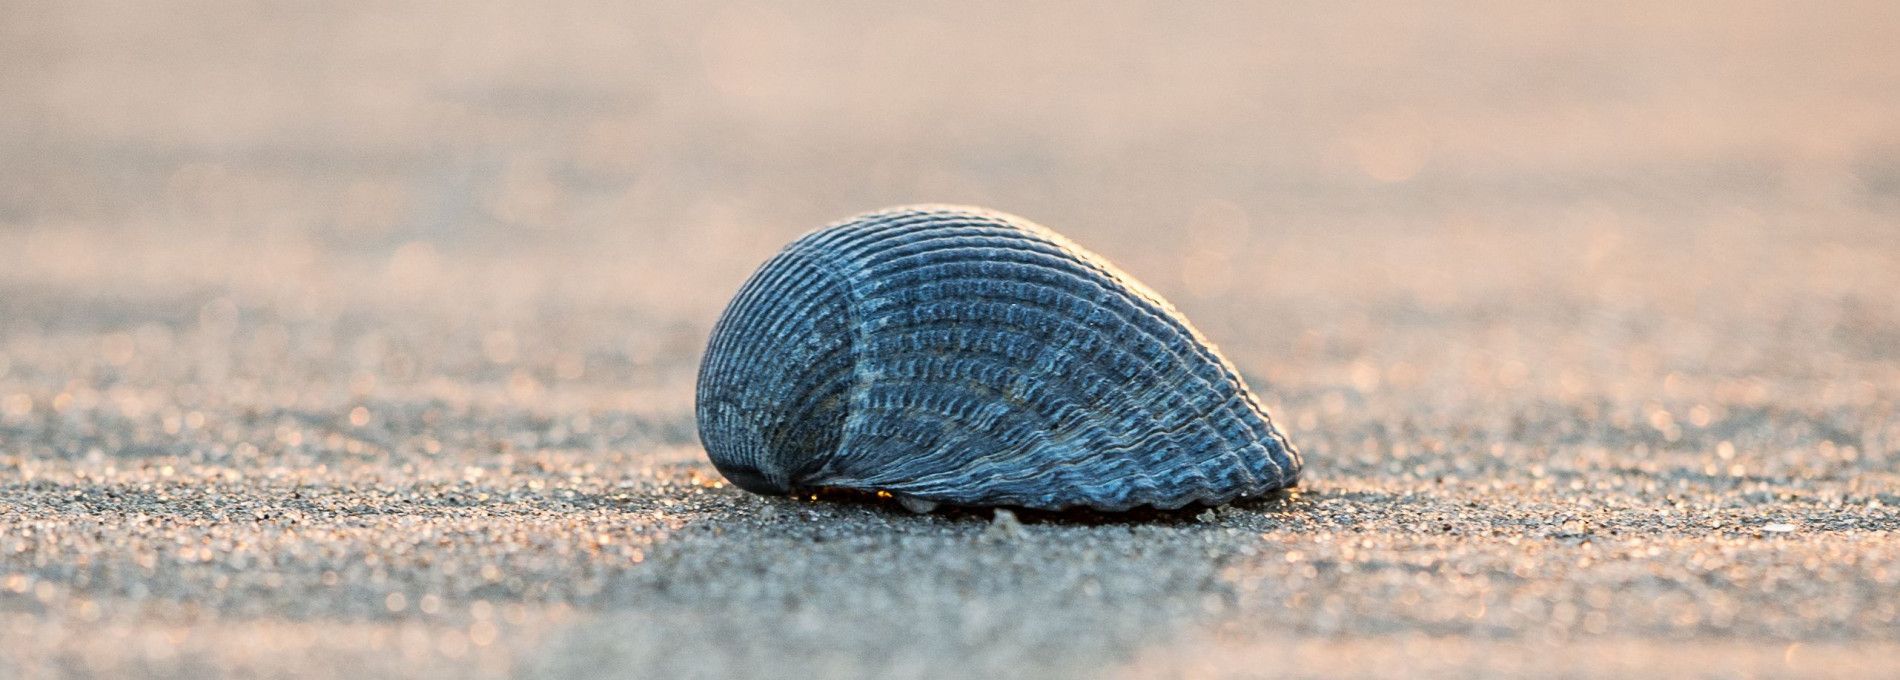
column 359, row 340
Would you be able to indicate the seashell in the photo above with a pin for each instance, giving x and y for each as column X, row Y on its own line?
column 963, row 356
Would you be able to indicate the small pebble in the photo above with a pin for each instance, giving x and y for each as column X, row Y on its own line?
column 1004, row 524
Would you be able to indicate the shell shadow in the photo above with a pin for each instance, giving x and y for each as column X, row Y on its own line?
column 1274, row 502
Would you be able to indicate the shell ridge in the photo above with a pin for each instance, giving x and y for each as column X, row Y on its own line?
column 1205, row 347
column 941, row 389
column 736, row 380
column 1173, row 340
column 899, row 478
column 860, row 370
column 947, row 247
column 897, row 256
column 876, row 239
column 1006, row 427
column 978, row 358
column 1078, row 364
column 1147, row 315
column 857, row 237
column 742, row 311
column 1191, row 430
column 895, row 339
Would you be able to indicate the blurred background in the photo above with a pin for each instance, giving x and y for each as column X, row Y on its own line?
column 234, row 233
column 1227, row 153
column 575, row 187
column 1269, row 166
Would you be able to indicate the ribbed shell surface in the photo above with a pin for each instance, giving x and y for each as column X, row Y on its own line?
column 965, row 356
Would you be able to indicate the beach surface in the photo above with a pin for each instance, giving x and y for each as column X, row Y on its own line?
column 359, row 341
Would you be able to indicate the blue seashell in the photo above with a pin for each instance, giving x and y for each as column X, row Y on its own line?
column 958, row 355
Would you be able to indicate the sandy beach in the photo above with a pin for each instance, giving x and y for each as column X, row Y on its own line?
column 360, row 341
